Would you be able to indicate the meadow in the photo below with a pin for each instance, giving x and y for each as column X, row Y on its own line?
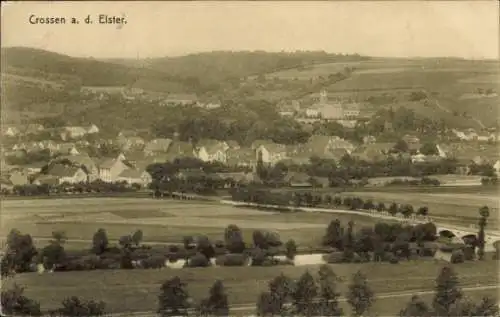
column 162, row 221
column 444, row 205
column 137, row 290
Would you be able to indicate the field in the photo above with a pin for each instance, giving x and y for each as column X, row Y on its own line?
column 447, row 81
column 444, row 206
column 137, row 290
column 162, row 221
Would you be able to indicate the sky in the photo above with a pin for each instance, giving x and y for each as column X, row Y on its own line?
column 156, row 29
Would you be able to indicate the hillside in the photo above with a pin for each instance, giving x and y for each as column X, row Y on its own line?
column 88, row 72
column 211, row 67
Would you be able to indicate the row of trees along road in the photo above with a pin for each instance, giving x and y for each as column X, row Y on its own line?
column 308, row 296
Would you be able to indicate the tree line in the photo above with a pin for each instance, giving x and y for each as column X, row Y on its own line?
column 310, row 295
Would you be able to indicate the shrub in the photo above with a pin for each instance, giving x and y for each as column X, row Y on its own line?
column 394, row 259
column 356, row 258
column 469, row 253
column 173, row 248
column 334, row 257
column 457, row 257
column 198, row 260
column 154, row 262
column 231, row 259
column 219, row 244
column 258, row 257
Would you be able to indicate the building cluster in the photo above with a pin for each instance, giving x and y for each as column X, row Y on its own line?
column 322, row 109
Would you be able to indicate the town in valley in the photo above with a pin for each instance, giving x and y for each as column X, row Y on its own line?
column 248, row 183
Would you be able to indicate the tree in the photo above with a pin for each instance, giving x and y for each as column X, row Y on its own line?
column 416, row 307
column 59, row 237
column 187, row 241
column 407, row 210
column 76, row 307
column 205, row 247
column 280, row 289
column 487, row 307
column 234, row 239
column 329, row 297
column 360, row 296
column 401, row 146
column 429, row 149
column 447, row 292
column 380, row 207
column 125, row 241
column 333, row 235
column 484, row 213
column 267, row 305
column 393, row 209
column 137, row 237
column 100, row 241
column 216, row 304
column 20, row 251
column 423, row 211
column 15, row 303
column 291, row 249
column 53, row 255
column 305, row 292
column 174, row 298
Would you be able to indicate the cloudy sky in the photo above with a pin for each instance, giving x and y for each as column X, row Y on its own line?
column 153, row 29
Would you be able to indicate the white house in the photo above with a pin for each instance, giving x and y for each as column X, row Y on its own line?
column 92, row 129
column 271, row 153
column 212, row 150
column 133, row 176
column 109, row 169
column 496, row 167
column 68, row 174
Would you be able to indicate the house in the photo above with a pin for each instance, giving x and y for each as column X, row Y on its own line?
column 110, row 168
column 373, row 152
column 350, row 110
column 72, row 133
column 180, row 149
column 18, row 178
column 157, row 146
column 241, row 157
column 44, row 179
column 369, row 139
column 34, row 168
column 85, row 161
column 67, row 174
column 297, row 179
column 271, row 153
column 209, row 105
column 496, row 167
column 67, row 149
column 126, row 134
column 92, row 129
column 485, row 137
column 288, row 109
column 320, row 145
column 232, row 144
column 130, row 143
column 134, row 176
column 180, row 100
column 10, row 131
column 31, row 128
column 211, row 150
column 410, row 139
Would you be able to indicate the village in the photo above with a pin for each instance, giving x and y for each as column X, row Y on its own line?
column 36, row 155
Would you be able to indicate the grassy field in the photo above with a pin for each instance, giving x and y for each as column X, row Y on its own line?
column 137, row 290
column 160, row 220
column 459, row 208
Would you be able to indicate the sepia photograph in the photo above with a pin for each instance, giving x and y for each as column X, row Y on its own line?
column 250, row 158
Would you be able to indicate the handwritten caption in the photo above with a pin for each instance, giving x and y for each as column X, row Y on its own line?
column 97, row 19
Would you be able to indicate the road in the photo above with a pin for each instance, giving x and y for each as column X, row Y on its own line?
column 251, row 306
